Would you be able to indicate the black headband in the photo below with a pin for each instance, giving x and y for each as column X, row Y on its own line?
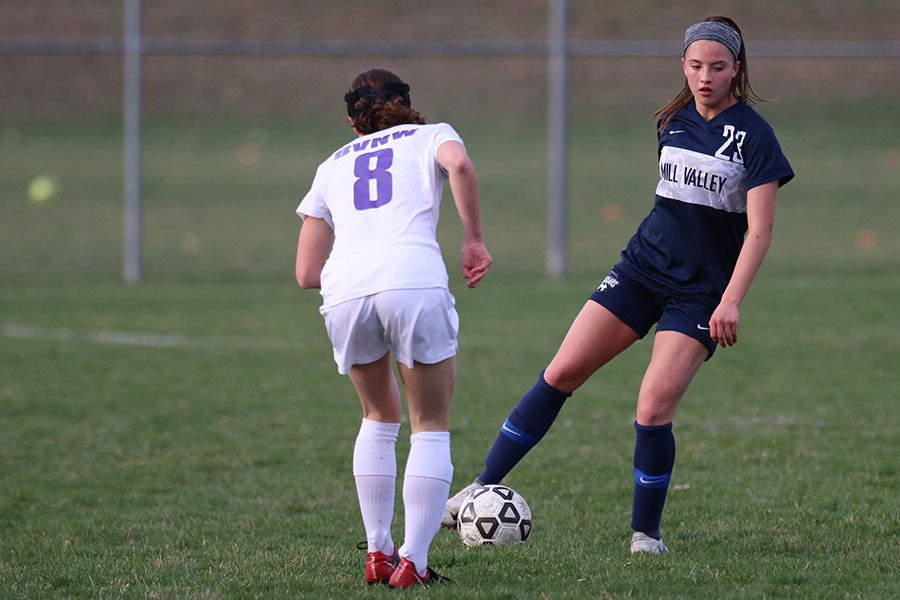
column 389, row 89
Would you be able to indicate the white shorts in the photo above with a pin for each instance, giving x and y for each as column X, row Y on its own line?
column 418, row 325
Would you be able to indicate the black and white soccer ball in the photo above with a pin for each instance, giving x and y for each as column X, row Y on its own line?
column 495, row 515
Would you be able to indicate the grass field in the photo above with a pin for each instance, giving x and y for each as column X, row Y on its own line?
column 189, row 437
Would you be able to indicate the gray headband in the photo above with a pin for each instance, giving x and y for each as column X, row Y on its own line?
column 715, row 31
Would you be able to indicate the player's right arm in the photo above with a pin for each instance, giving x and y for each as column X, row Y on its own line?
column 313, row 247
column 474, row 257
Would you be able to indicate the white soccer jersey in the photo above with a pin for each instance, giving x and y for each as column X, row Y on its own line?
column 381, row 195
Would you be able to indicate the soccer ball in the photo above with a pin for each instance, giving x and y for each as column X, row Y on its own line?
column 495, row 515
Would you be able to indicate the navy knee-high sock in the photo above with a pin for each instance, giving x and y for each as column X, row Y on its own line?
column 525, row 426
column 654, row 457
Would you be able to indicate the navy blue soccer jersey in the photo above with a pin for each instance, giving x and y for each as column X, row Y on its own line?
column 689, row 243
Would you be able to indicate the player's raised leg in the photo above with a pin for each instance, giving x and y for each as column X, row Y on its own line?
column 673, row 364
column 375, row 462
column 595, row 337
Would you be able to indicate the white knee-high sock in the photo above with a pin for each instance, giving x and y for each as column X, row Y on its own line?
column 375, row 471
column 426, row 486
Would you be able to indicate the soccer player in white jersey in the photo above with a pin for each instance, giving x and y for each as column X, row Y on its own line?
column 368, row 240
column 687, row 269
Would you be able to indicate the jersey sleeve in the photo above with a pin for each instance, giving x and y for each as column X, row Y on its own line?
column 765, row 161
column 444, row 133
column 313, row 203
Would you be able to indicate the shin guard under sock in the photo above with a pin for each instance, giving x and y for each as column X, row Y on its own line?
column 525, row 426
column 375, row 471
column 654, row 457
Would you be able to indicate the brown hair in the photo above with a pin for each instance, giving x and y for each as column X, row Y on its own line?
column 376, row 113
column 740, row 85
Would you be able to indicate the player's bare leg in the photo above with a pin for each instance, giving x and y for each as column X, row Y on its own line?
column 595, row 337
column 429, row 391
column 675, row 360
column 377, row 389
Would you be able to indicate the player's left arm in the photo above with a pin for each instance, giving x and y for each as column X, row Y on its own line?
column 761, row 201
column 475, row 259
column 313, row 247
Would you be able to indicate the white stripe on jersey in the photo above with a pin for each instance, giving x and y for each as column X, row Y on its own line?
column 698, row 178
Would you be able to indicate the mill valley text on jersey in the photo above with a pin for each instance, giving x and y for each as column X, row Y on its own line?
column 712, row 182
column 700, row 210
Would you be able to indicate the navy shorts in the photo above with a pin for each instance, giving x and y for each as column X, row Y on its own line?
column 640, row 307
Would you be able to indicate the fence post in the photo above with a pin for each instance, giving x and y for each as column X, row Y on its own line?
column 132, row 141
column 557, row 150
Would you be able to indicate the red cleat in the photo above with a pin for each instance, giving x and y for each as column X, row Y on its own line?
column 380, row 566
column 406, row 576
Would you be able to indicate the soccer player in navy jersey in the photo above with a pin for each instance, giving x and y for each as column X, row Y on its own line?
column 686, row 269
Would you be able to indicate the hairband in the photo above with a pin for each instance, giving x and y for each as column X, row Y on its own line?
column 715, row 31
column 389, row 89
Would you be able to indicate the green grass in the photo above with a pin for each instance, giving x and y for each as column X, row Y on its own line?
column 189, row 437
